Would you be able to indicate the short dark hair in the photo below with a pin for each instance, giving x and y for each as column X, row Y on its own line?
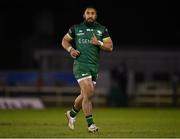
column 90, row 6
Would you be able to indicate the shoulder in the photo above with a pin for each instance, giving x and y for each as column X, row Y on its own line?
column 77, row 25
column 74, row 26
column 100, row 25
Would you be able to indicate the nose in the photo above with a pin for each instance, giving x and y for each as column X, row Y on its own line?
column 90, row 15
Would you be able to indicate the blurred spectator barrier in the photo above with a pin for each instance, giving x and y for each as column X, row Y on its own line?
column 52, row 95
column 53, row 88
column 14, row 78
column 155, row 93
column 19, row 103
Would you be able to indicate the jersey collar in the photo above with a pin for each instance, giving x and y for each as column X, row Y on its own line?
column 89, row 25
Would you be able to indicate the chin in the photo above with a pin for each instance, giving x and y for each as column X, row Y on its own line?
column 90, row 22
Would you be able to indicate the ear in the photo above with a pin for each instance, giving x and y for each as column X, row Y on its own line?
column 96, row 16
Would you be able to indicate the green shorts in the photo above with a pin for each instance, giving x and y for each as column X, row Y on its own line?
column 82, row 71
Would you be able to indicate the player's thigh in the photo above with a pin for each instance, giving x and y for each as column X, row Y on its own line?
column 87, row 87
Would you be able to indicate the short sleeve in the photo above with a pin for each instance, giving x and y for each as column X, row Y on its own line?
column 105, row 34
column 71, row 32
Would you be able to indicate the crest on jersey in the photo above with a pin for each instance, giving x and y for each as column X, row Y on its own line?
column 99, row 33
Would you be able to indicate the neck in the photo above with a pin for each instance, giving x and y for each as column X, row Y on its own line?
column 89, row 23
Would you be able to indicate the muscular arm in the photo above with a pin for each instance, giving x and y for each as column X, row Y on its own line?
column 66, row 43
column 106, row 45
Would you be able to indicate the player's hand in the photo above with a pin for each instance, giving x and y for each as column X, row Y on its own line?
column 74, row 53
column 94, row 40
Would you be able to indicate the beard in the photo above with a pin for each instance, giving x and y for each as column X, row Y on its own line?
column 89, row 21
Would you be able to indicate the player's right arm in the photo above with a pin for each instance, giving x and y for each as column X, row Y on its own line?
column 66, row 43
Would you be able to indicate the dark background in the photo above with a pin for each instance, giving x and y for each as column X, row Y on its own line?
column 27, row 25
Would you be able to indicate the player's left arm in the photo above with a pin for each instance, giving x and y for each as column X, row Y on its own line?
column 105, row 44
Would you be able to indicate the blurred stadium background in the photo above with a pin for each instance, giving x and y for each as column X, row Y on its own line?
column 143, row 70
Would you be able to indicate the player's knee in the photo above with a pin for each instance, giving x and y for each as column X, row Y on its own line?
column 87, row 97
column 79, row 99
column 88, row 94
column 87, row 90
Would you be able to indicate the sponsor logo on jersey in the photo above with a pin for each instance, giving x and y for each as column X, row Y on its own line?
column 83, row 41
column 80, row 32
column 84, row 74
column 88, row 29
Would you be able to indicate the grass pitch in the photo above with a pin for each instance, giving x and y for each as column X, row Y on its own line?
column 113, row 122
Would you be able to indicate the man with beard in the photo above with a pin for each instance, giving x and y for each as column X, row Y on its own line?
column 88, row 37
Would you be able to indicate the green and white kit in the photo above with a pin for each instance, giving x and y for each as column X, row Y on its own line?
column 87, row 64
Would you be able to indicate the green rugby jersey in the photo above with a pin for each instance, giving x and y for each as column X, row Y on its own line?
column 81, row 35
